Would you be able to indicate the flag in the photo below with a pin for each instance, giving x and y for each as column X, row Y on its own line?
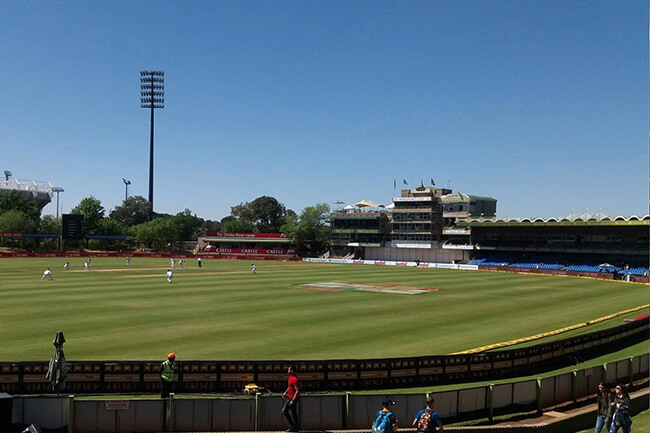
column 405, row 182
column 394, row 184
column 432, row 182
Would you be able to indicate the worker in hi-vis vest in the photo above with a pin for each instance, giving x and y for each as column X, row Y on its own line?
column 167, row 375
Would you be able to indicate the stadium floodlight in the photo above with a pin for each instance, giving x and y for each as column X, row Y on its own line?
column 7, row 175
column 126, row 185
column 152, row 95
column 57, row 190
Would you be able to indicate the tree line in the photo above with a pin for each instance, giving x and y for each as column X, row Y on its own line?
column 133, row 218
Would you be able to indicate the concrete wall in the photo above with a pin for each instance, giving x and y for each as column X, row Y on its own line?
column 428, row 255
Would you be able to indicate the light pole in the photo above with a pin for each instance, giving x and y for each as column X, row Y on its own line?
column 126, row 186
column 57, row 190
column 7, row 175
column 152, row 95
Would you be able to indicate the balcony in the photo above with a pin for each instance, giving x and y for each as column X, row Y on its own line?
column 358, row 231
column 456, row 231
column 448, row 246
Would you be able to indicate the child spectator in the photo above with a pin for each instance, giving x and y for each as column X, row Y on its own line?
column 426, row 420
column 385, row 421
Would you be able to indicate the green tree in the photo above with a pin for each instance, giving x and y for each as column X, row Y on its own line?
column 266, row 213
column 108, row 226
column 310, row 230
column 92, row 211
column 15, row 201
column 49, row 224
column 239, row 226
column 187, row 225
column 16, row 221
column 133, row 211
column 209, row 226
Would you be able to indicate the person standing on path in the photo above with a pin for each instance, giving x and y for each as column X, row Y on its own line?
column 167, row 369
column 426, row 420
column 290, row 399
column 604, row 411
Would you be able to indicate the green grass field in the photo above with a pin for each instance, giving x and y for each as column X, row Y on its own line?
column 222, row 312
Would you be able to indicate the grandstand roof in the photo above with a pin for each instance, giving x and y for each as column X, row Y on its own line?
column 583, row 219
column 39, row 191
column 460, row 197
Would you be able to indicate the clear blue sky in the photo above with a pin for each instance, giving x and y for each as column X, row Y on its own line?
column 542, row 105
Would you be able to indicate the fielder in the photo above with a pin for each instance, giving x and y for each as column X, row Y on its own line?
column 47, row 273
column 170, row 275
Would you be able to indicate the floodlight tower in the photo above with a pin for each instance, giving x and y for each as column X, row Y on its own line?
column 7, row 175
column 152, row 95
column 126, row 186
column 57, row 190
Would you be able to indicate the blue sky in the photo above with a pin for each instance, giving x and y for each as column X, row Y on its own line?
column 542, row 105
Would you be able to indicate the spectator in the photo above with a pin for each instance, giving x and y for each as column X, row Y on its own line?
column 426, row 420
column 604, row 411
column 290, row 399
column 622, row 417
column 385, row 421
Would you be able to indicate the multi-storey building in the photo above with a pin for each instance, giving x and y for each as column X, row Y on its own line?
column 418, row 227
column 458, row 207
column 357, row 229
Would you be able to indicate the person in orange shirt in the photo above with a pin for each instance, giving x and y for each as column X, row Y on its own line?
column 290, row 399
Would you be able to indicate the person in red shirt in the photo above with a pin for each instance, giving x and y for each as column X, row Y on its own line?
column 290, row 399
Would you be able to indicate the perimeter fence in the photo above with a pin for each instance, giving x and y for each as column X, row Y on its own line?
column 331, row 411
column 86, row 377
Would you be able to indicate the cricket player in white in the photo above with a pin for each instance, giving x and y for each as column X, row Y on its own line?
column 172, row 262
column 253, row 269
column 170, row 275
column 47, row 273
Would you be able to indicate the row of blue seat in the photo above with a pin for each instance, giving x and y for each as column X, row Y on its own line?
column 548, row 264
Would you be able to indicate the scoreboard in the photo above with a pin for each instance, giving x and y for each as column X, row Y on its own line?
column 73, row 226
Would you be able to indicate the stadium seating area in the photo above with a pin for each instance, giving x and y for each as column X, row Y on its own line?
column 491, row 261
column 557, row 264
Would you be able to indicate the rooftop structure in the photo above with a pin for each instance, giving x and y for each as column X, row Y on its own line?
column 39, row 192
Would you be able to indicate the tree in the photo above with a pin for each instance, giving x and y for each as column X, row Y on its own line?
column 133, row 211
column 310, row 230
column 15, row 201
column 239, row 226
column 157, row 233
column 92, row 211
column 188, row 225
column 16, row 221
column 49, row 224
column 266, row 213
column 108, row 226
column 209, row 226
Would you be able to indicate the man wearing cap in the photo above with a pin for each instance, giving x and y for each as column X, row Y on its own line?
column 167, row 369
column 387, row 404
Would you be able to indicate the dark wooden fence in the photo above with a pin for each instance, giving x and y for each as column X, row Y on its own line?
column 351, row 374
